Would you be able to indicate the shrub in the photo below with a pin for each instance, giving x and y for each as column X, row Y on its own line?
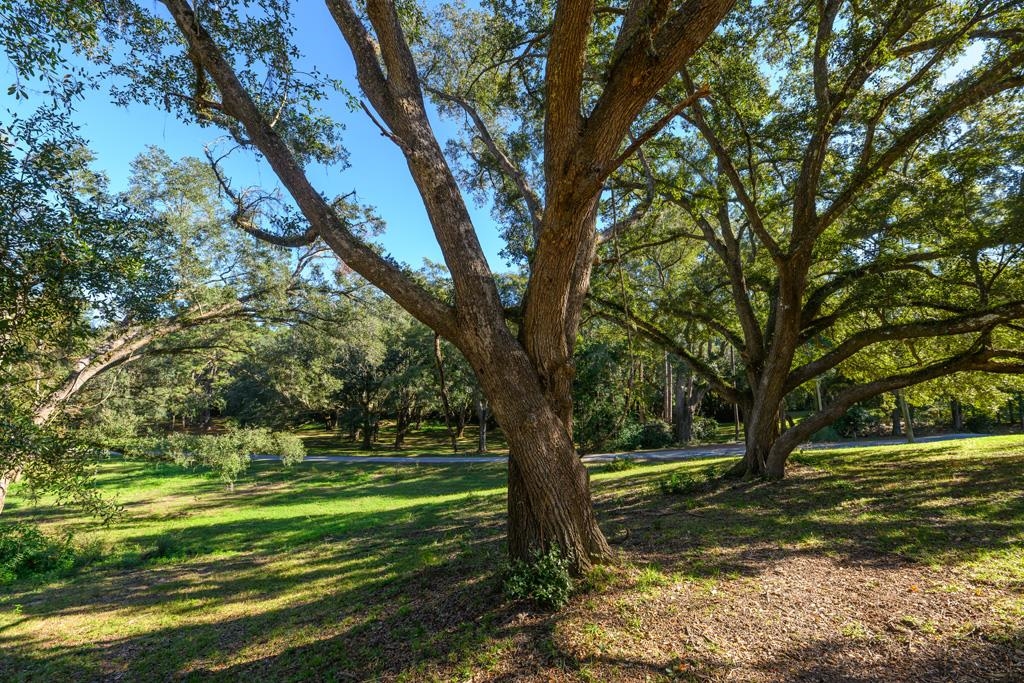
column 703, row 428
column 113, row 429
column 854, row 421
column 27, row 551
column 825, row 434
column 545, row 580
column 599, row 579
column 684, row 483
column 165, row 547
column 619, row 465
column 634, row 436
column 979, row 423
column 229, row 454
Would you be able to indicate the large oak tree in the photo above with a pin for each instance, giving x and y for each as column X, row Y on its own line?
column 854, row 185
column 601, row 68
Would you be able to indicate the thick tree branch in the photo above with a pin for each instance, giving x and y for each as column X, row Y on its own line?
column 973, row 360
column 385, row 274
column 972, row 322
column 838, row 281
column 727, row 167
column 508, row 167
column 971, row 90
column 626, row 319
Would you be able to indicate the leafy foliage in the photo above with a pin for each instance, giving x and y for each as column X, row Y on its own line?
column 685, row 482
column 703, row 428
column 619, row 465
column 229, row 454
column 26, row 551
column 654, row 434
column 855, row 422
column 52, row 459
column 545, row 580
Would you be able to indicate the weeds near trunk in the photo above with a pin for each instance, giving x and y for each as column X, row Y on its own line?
column 545, row 580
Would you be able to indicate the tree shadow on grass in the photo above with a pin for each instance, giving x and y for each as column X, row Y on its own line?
column 387, row 594
column 933, row 505
column 977, row 657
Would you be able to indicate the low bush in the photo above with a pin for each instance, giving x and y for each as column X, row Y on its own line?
column 825, row 434
column 619, row 465
column 684, row 483
column 703, row 428
column 634, row 436
column 26, row 551
column 545, row 580
column 979, row 423
column 164, row 547
column 855, row 422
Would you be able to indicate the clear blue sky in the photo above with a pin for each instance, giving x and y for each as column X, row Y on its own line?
column 377, row 169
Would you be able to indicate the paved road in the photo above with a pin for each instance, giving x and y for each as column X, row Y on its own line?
column 695, row 453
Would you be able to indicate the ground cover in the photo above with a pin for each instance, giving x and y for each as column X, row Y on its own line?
column 897, row 563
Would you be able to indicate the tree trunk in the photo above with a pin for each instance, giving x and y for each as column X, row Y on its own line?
column 367, row 435
column 461, row 418
column 957, row 414
column 905, row 410
column 683, row 416
column 549, row 502
column 897, row 428
column 666, row 407
column 443, row 388
column 6, row 479
column 481, row 416
column 761, row 433
column 401, row 426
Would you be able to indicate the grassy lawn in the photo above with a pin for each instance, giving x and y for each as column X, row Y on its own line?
column 872, row 564
column 430, row 439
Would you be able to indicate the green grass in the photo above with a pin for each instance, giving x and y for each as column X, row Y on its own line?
column 349, row 572
column 726, row 433
column 948, row 503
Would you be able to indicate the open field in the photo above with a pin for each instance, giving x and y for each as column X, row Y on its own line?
column 869, row 564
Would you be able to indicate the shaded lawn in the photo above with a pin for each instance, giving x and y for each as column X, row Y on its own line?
column 897, row 563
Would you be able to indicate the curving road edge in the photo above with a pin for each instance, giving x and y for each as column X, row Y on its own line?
column 671, row 455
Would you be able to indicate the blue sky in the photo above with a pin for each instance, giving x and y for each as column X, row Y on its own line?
column 377, row 168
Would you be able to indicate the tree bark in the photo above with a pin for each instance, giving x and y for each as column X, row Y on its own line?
column 688, row 398
column 957, row 414
column 6, row 479
column 549, row 502
column 453, row 433
column 682, row 416
column 666, row 407
column 907, row 419
column 481, row 417
column 401, row 426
